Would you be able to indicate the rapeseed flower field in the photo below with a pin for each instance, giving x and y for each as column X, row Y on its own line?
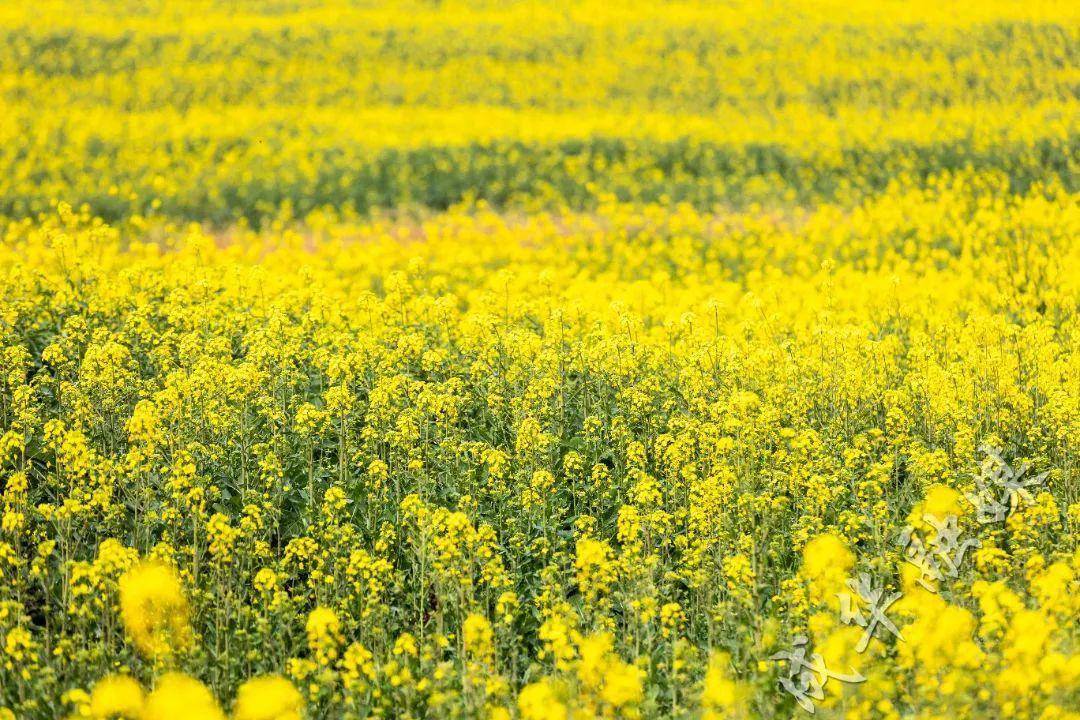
column 539, row 361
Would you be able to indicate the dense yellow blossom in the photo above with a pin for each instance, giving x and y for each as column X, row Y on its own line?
column 723, row 697
column 118, row 696
column 540, row 701
column 268, row 698
column 154, row 608
column 827, row 565
column 324, row 633
column 478, row 636
column 180, row 697
column 524, row 360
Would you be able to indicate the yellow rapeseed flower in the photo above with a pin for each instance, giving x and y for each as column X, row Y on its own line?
column 180, row 697
column 541, row 701
column 270, row 697
column 117, row 696
column 155, row 609
column 827, row 565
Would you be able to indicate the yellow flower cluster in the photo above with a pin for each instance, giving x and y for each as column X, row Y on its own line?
column 176, row 696
column 154, row 609
column 154, row 612
column 601, row 685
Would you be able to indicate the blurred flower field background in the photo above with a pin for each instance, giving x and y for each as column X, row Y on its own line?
column 539, row 360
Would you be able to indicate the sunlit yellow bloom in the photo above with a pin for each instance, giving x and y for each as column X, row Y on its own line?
column 827, row 565
column 478, row 636
column 324, row 633
column 268, row 698
column 539, row 701
column 117, row 696
column 180, row 697
column 722, row 697
column 155, row 609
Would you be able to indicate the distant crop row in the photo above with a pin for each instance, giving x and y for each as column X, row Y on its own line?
column 213, row 113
